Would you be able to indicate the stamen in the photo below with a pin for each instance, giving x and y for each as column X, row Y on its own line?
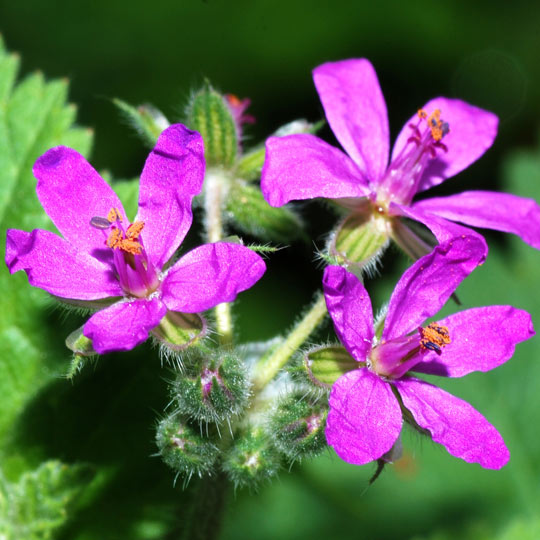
column 114, row 215
column 422, row 114
column 115, row 239
column 434, row 337
column 100, row 222
column 130, row 246
column 134, row 230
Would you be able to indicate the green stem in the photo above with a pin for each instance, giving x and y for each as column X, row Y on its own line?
column 215, row 191
column 203, row 519
column 270, row 366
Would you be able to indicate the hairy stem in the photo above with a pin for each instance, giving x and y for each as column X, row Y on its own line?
column 270, row 365
column 203, row 519
column 215, row 191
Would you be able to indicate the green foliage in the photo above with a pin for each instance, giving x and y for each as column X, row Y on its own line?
column 33, row 118
column 35, row 506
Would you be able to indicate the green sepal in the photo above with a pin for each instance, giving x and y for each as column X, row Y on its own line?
column 250, row 164
column 82, row 350
column 177, row 331
column 209, row 114
column 183, row 448
column 212, row 387
column 297, row 425
column 253, row 215
column 360, row 239
column 252, row 459
column 325, row 365
column 146, row 119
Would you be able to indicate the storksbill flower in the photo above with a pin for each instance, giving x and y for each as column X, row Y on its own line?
column 439, row 141
column 367, row 404
column 103, row 260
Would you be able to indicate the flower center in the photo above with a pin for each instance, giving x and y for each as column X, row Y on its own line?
column 400, row 183
column 135, row 272
column 393, row 358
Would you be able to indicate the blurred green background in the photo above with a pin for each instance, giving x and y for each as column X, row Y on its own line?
column 486, row 52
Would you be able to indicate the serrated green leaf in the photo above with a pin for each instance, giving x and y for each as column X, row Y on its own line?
column 327, row 364
column 37, row 505
column 34, row 117
column 252, row 214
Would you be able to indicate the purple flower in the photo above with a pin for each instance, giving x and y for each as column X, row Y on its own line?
column 442, row 139
column 365, row 417
column 102, row 259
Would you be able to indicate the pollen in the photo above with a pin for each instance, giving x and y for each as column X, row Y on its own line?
column 422, row 114
column 134, row 230
column 130, row 246
column 434, row 337
column 114, row 215
column 115, row 239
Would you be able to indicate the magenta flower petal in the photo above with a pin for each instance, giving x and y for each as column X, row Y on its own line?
column 364, row 419
column 482, row 339
column 453, row 423
column 173, row 174
column 209, row 275
column 72, row 193
column 124, row 325
column 55, row 265
column 350, row 308
column 356, row 111
column 491, row 210
column 428, row 283
column 442, row 229
column 472, row 132
column 305, row 167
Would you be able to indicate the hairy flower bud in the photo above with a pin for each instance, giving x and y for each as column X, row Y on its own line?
column 210, row 114
column 297, row 425
column 252, row 460
column 183, row 448
column 213, row 388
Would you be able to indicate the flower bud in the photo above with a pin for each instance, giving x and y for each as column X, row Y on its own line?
column 147, row 120
column 213, row 387
column 252, row 459
column 298, row 424
column 209, row 113
column 183, row 448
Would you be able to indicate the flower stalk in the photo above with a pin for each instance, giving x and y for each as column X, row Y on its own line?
column 270, row 365
column 215, row 192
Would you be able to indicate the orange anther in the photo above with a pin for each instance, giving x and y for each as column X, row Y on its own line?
column 130, row 246
column 134, row 230
column 422, row 114
column 434, row 337
column 115, row 239
column 114, row 215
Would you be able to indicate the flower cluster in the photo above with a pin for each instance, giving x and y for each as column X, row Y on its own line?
column 128, row 275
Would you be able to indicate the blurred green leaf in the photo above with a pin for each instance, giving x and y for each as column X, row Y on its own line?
column 35, row 506
column 33, row 118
